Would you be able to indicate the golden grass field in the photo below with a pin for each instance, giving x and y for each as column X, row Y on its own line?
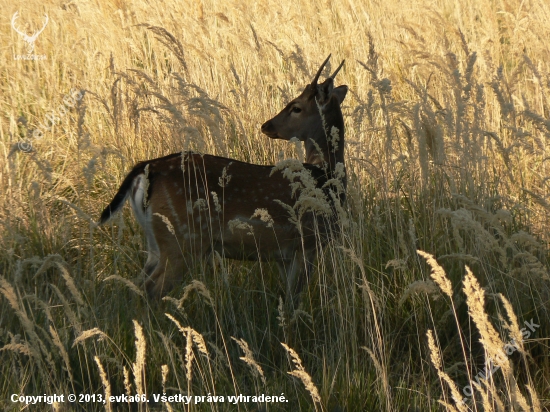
column 447, row 125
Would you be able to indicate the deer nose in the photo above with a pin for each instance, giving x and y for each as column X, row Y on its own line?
column 267, row 128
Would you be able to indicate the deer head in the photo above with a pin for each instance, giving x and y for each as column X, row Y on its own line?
column 311, row 117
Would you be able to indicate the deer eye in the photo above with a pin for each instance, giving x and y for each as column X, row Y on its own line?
column 295, row 109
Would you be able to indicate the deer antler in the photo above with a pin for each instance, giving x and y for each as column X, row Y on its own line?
column 333, row 75
column 314, row 82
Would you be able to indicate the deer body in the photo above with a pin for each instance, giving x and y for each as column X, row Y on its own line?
column 192, row 205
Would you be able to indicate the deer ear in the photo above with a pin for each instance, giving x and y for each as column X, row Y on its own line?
column 324, row 91
column 340, row 93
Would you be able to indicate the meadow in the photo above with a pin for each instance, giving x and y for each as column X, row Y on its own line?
column 434, row 296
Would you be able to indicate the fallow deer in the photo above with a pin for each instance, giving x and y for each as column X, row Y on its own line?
column 192, row 205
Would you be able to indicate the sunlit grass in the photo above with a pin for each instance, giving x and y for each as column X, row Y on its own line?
column 447, row 124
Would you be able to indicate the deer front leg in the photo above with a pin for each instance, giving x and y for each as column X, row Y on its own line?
column 295, row 272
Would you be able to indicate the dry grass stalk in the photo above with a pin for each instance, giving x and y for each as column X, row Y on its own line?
column 189, row 356
column 518, row 401
column 535, row 402
column 490, row 339
column 167, row 222
column 127, row 282
column 310, row 197
column 62, row 351
column 22, row 348
column 225, row 178
column 165, row 370
column 368, row 295
column 46, row 308
column 36, row 345
column 198, row 286
column 486, row 401
column 420, row 286
column 237, row 224
column 489, row 396
column 219, row 355
column 192, row 336
column 248, row 358
column 264, row 216
column 301, row 374
column 139, row 366
column 448, row 407
column 343, row 217
column 57, row 261
column 105, row 382
column 70, row 283
column 88, row 334
column 46, row 263
column 298, row 148
column 438, row 274
column 513, row 327
column 217, row 205
column 381, row 372
column 281, row 313
column 298, row 314
column 127, row 381
column 71, row 315
column 435, row 356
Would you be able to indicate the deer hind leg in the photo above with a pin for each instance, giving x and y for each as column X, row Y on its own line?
column 150, row 264
column 166, row 274
column 154, row 284
column 164, row 266
column 144, row 218
column 177, row 258
column 181, row 251
column 153, row 256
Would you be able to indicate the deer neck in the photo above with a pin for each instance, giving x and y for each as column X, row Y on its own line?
column 325, row 145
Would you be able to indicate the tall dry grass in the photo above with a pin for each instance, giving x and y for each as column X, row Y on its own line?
column 447, row 129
